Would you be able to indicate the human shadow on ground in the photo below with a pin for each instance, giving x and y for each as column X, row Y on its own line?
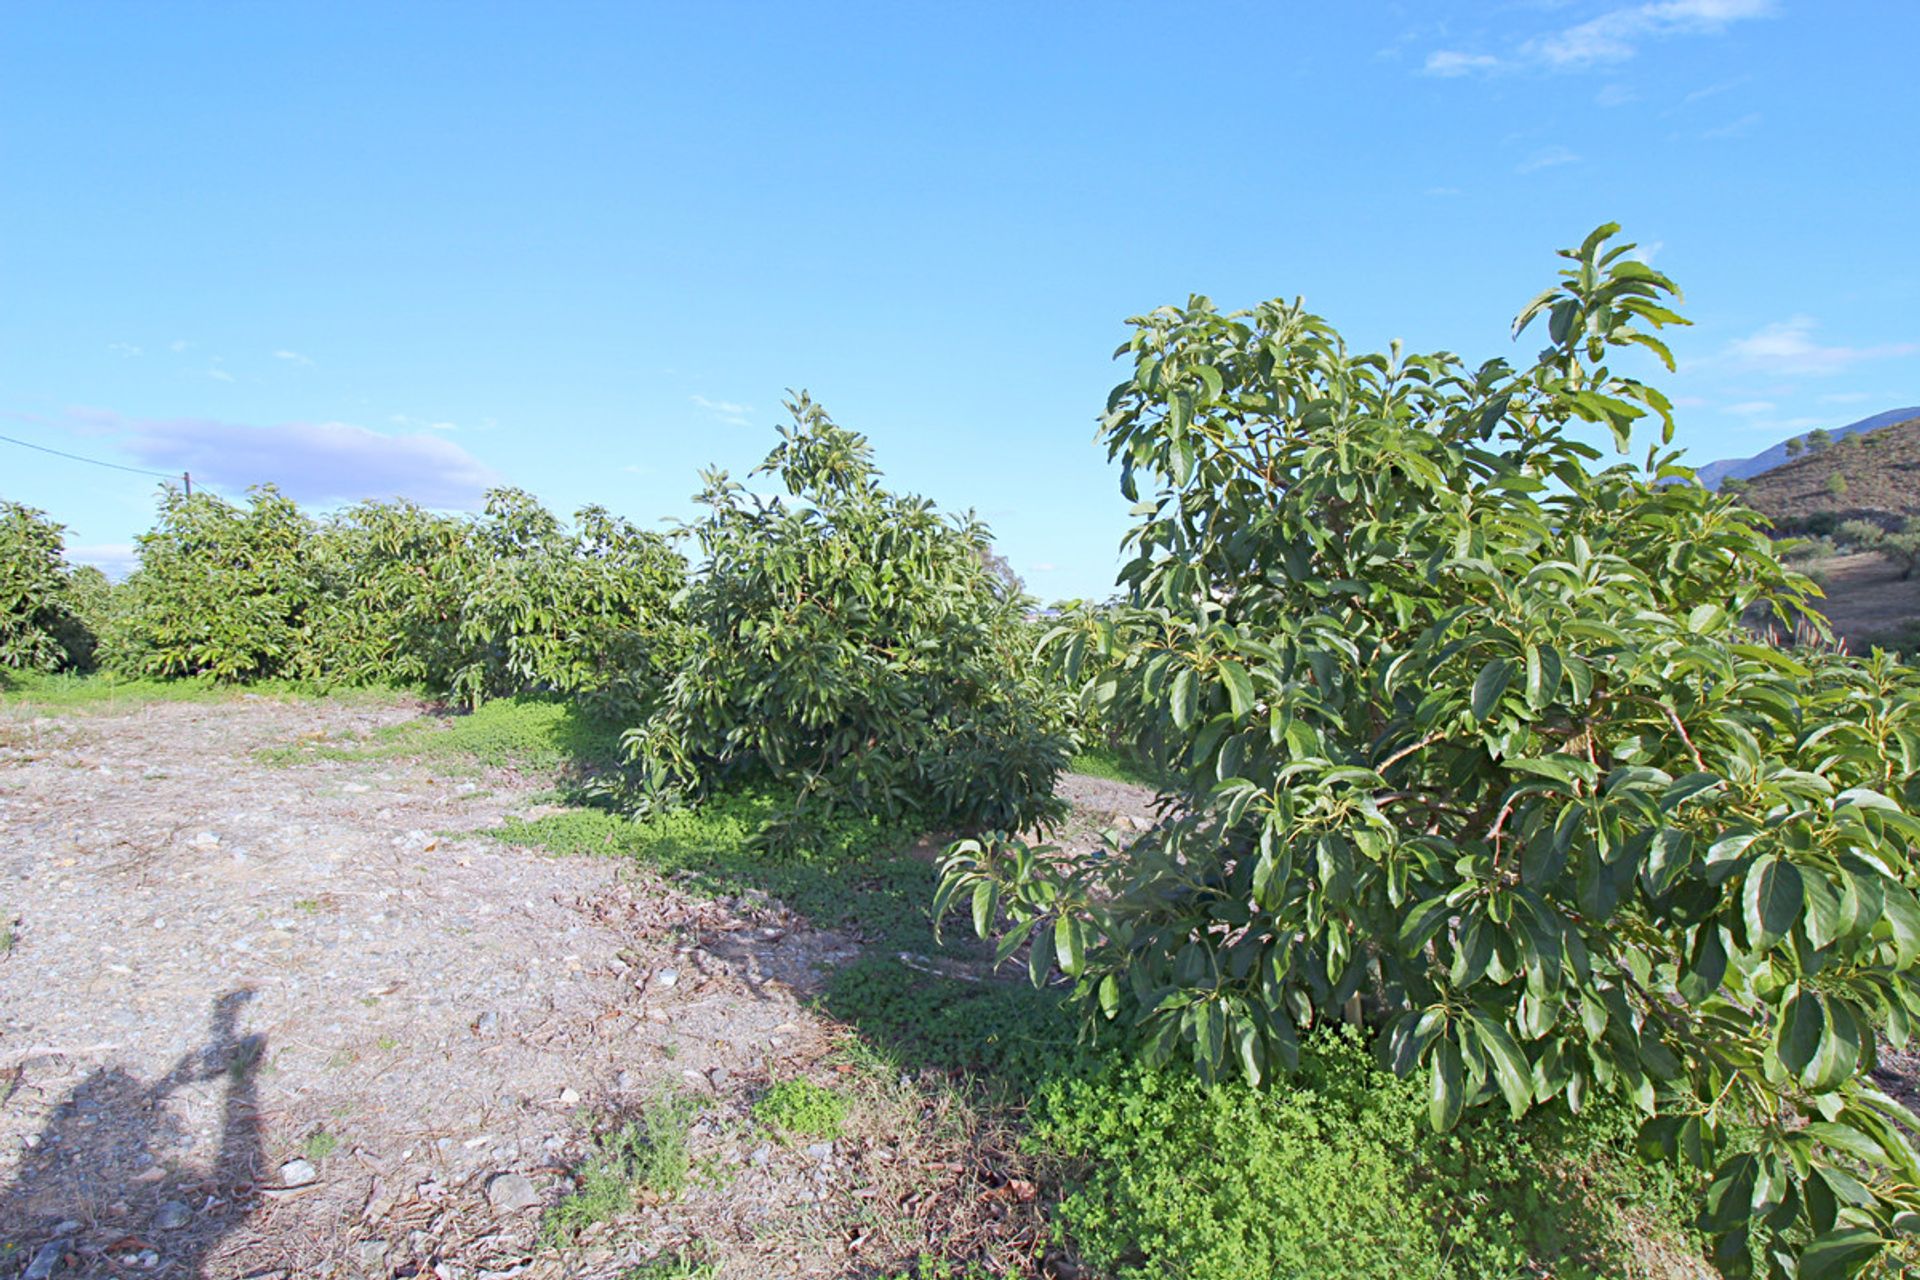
column 105, row 1186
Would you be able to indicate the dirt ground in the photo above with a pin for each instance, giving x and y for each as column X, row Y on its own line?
column 269, row 1021
column 1866, row 597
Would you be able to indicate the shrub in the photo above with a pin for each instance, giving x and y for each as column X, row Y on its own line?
column 221, row 590
column 1478, row 750
column 1337, row 1174
column 855, row 646
column 45, row 608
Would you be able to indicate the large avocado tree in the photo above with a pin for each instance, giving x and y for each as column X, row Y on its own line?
column 1477, row 743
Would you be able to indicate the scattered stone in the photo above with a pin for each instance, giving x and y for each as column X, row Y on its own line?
column 206, row 840
column 511, row 1192
column 821, row 1151
column 297, row 1173
column 171, row 1216
column 371, row 1254
column 41, row 1268
column 667, row 979
column 761, row 1154
column 68, row 1227
column 486, row 1024
column 356, row 788
column 569, row 1096
column 718, row 1077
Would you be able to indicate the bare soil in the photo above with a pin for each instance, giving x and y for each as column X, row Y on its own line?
column 270, row 1021
column 1866, row 597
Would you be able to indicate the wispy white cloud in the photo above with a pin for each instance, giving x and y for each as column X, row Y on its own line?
column 317, row 462
column 1609, row 39
column 221, row 375
column 1733, row 128
column 1443, row 191
column 1452, row 62
column 125, row 349
column 292, row 357
column 1847, row 397
column 404, row 420
column 1045, row 566
column 178, row 345
column 1615, row 95
column 1749, row 408
column 1546, row 158
column 1789, row 347
column 1648, row 251
column 725, row 410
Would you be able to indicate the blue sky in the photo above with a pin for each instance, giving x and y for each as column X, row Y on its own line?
column 360, row 249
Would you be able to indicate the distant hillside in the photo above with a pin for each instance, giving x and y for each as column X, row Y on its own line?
column 1744, row 468
column 1879, row 480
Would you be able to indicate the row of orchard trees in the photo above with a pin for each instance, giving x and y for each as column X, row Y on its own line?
column 849, row 644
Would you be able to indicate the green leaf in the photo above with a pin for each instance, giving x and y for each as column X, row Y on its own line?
column 1490, row 686
column 1446, row 1093
column 1239, row 688
column 1067, row 941
column 986, row 896
column 1184, row 699
column 1798, row 1033
column 1771, row 901
column 1840, row 1253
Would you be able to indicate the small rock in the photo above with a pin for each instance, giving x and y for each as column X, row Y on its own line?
column 206, row 840
column 667, row 979
column 821, row 1151
column 718, row 1078
column 297, row 1173
column 486, row 1024
column 761, row 1154
column 356, row 788
column 371, row 1254
column 511, row 1192
column 148, row 1259
column 68, row 1227
column 41, row 1268
column 569, row 1097
column 171, row 1216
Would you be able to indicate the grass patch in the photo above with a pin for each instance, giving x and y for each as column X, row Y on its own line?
column 65, row 691
column 802, row 1107
column 526, row 733
column 319, row 1145
column 646, row 1154
column 1116, row 766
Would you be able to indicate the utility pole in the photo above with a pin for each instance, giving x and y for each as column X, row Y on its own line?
column 187, row 478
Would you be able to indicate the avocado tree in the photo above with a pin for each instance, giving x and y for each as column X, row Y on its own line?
column 1474, row 747
column 42, row 601
column 858, row 649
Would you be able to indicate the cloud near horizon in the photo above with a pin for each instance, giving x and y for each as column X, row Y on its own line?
column 1789, row 347
column 313, row 462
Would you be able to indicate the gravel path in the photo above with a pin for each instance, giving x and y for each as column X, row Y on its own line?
column 271, row 1021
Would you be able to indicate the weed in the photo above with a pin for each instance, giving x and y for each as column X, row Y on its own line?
column 686, row 1263
column 319, row 1145
column 802, row 1107
column 311, row 906
column 648, row 1153
column 386, row 1044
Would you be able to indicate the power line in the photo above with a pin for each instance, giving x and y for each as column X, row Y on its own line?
column 139, row 471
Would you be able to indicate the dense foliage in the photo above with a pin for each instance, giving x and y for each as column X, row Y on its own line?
column 1338, row 1174
column 222, row 590
column 1475, row 749
column 857, row 646
column 510, row 601
column 45, row 607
